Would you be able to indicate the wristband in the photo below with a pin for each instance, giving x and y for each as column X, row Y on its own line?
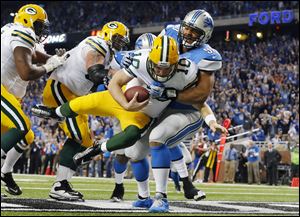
column 210, row 117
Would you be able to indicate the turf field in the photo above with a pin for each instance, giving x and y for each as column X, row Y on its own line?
column 222, row 199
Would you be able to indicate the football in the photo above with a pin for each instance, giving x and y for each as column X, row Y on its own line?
column 143, row 93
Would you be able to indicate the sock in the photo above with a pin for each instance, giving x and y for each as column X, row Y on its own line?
column 11, row 158
column 64, row 173
column 124, row 139
column 181, row 168
column 120, row 171
column 11, row 138
column 161, row 167
column 65, row 111
column 140, row 171
column 3, row 157
column 70, row 148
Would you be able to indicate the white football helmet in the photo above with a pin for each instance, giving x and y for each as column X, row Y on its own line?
column 145, row 41
column 202, row 23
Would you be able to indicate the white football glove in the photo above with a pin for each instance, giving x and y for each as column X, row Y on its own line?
column 54, row 62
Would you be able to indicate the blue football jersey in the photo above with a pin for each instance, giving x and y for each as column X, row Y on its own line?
column 206, row 58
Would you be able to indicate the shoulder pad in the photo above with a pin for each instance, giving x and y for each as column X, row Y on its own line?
column 98, row 44
column 23, row 34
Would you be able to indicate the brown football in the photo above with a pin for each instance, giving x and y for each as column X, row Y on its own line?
column 143, row 93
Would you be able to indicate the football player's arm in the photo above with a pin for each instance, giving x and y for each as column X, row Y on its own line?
column 40, row 57
column 210, row 118
column 26, row 69
column 115, row 88
column 199, row 93
column 95, row 68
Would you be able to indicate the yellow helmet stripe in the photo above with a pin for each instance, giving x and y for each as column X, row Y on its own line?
column 96, row 46
column 165, row 48
column 24, row 37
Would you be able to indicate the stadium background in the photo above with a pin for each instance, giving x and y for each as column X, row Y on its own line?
column 257, row 88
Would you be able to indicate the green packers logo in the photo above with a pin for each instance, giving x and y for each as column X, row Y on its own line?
column 112, row 25
column 30, row 11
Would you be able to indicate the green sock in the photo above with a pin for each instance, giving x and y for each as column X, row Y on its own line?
column 124, row 139
column 11, row 138
column 66, row 111
column 67, row 153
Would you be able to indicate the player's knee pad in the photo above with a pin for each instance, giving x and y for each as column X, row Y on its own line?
column 120, row 163
column 140, row 169
column 175, row 153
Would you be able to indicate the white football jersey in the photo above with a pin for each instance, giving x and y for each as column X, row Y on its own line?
column 73, row 73
column 185, row 76
column 12, row 36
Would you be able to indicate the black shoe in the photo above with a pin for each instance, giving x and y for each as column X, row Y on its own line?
column 45, row 112
column 63, row 191
column 10, row 184
column 85, row 157
column 118, row 193
column 191, row 192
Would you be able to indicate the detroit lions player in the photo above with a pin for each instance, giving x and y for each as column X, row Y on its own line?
column 183, row 120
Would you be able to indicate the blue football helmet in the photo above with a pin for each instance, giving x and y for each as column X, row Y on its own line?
column 199, row 21
column 145, row 41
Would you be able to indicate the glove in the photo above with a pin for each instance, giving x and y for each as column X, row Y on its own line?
column 54, row 62
column 60, row 51
column 156, row 89
column 127, row 60
column 168, row 94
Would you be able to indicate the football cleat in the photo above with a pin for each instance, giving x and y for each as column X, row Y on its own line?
column 10, row 185
column 42, row 111
column 62, row 191
column 143, row 203
column 85, row 157
column 118, row 193
column 191, row 192
column 160, row 204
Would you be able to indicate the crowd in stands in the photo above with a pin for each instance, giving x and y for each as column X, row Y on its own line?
column 84, row 15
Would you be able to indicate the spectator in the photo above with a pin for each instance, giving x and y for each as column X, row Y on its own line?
column 241, row 175
column 231, row 158
column 271, row 160
column 35, row 158
column 252, row 154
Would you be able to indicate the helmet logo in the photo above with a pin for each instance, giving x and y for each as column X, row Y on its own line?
column 112, row 25
column 30, row 11
column 208, row 23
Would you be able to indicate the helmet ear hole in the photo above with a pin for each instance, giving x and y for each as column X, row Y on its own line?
column 25, row 21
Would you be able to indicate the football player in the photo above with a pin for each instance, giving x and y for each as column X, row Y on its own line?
column 21, row 62
column 85, row 69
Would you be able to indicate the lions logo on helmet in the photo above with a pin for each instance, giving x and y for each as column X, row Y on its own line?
column 145, row 41
column 196, row 22
column 116, row 34
column 35, row 17
column 163, row 58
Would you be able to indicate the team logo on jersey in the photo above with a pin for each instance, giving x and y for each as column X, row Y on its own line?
column 113, row 25
column 30, row 11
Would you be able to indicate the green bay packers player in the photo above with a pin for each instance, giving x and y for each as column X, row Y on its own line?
column 19, row 41
column 83, row 71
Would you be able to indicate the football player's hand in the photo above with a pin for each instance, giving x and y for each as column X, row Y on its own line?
column 127, row 60
column 168, row 94
column 60, row 51
column 55, row 61
column 156, row 89
column 215, row 127
column 134, row 105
